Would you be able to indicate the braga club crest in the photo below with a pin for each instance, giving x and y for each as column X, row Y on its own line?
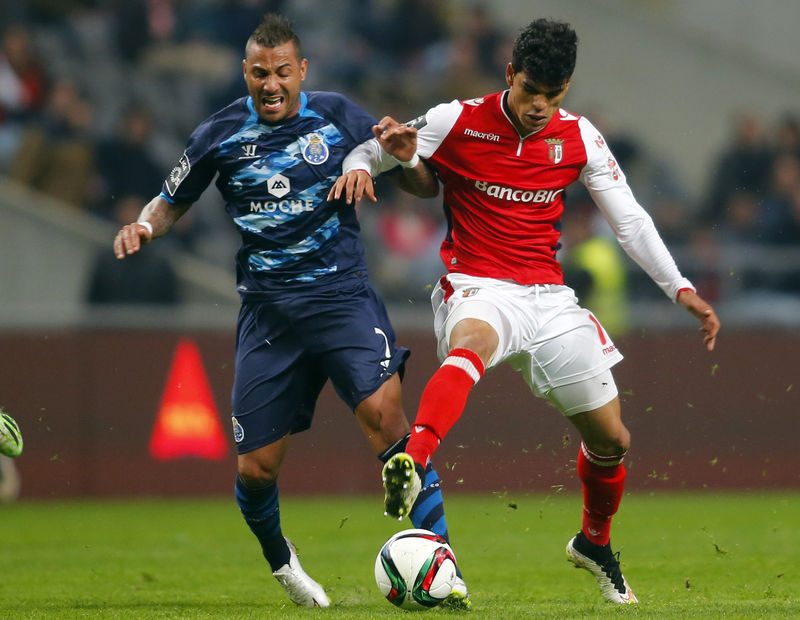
column 315, row 152
column 555, row 150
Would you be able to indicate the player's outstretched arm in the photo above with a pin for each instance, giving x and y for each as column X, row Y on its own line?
column 704, row 312
column 420, row 180
column 155, row 220
column 394, row 143
column 400, row 141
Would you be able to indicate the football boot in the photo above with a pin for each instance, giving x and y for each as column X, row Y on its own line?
column 301, row 588
column 604, row 565
column 402, row 480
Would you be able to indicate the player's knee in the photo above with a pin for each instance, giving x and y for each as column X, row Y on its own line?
column 255, row 473
column 622, row 441
column 483, row 344
column 614, row 443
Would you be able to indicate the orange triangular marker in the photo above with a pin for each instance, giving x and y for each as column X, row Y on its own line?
column 188, row 421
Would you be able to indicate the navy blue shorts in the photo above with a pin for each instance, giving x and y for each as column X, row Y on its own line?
column 289, row 346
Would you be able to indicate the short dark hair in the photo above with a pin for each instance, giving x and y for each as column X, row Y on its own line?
column 546, row 51
column 275, row 30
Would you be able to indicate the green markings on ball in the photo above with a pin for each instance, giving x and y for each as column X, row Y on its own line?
column 10, row 436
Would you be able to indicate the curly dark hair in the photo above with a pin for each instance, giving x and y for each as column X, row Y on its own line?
column 275, row 30
column 546, row 51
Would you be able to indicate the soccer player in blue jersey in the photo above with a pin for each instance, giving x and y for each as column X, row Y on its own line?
column 308, row 311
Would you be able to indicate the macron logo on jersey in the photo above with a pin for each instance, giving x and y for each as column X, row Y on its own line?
column 491, row 137
column 535, row 196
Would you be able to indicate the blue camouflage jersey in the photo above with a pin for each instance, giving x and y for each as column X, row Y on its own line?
column 275, row 180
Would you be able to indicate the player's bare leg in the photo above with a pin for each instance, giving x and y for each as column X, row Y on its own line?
column 382, row 417
column 384, row 424
column 602, row 474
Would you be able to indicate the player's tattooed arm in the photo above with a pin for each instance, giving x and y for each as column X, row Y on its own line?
column 155, row 220
column 420, row 180
column 162, row 215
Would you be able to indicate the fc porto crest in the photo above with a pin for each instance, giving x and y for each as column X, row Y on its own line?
column 555, row 150
column 315, row 152
column 238, row 431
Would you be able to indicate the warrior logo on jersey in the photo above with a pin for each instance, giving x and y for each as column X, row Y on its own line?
column 278, row 185
column 249, row 151
column 178, row 174
column 316, row 151
column 469, row 292
column 555, row 149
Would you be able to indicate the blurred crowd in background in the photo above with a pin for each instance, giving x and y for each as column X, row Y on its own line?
column 97, row 99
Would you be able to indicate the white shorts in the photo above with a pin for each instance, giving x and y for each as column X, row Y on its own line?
column 562, row 351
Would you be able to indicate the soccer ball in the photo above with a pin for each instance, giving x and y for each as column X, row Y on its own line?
column 415, row 569
column 10, row 436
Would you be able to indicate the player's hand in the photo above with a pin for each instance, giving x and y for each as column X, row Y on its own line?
column 130, row 239
column 705, row 313
column 397, row 139
column 355, row 184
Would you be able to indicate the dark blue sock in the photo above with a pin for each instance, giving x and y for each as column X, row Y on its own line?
column 262, row 514
column 428, row 511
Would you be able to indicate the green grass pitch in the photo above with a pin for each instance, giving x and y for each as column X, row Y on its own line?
column 686, row 555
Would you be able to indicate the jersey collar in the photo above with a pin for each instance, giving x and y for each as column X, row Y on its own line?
column 503, row 99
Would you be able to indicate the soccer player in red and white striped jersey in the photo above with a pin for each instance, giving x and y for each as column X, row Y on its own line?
column 504, row 161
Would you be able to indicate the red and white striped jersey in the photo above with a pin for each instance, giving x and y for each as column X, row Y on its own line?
column 503, row 193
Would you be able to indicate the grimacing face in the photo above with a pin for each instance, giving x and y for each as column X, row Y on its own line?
column 532, row 104
column 274, row 76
